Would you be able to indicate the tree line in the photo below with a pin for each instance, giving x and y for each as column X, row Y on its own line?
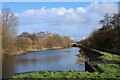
column 107, row 37
column 26, row 41
column 12, row 43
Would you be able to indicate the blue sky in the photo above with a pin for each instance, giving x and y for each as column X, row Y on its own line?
column 74, row 19
column 21, row 6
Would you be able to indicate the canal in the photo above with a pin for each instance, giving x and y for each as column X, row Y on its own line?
column 52, row 60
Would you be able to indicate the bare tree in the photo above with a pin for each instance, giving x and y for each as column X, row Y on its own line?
column 106, row 21
column 116, row 20
column 9, row 24
column 10, row 19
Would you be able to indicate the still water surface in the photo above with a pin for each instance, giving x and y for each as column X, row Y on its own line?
column 52, row 60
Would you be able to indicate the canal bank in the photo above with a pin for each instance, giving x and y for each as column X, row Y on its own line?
column 22, row 51
column 114, row 75
column 101, row 62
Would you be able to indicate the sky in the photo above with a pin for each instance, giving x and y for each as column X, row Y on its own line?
column 74, row 19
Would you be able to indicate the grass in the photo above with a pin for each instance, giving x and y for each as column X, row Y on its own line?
column 108, row 56
column 47, row 74
column 75, row 74
column 110, row 68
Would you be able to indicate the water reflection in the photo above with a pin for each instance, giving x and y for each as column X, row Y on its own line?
column 41, row 59
column 53, row 60
column 8, row 65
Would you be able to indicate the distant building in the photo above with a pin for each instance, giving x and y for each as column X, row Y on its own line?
column 41, row 34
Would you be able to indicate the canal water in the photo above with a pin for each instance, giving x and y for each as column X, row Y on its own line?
column 52, row 60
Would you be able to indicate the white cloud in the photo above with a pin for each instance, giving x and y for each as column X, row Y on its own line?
column 60, row 15
column 75, row 20
column 81, row 10
column 102, row 8
column 84, row 38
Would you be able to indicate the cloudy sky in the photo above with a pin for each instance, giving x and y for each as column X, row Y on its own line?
column 76, row 20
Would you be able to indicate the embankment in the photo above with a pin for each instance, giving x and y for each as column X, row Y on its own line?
column 34, row 50
column 96, row 57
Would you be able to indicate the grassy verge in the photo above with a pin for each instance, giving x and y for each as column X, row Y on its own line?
column 110, row 68
column 108, row 56
column 72, row 74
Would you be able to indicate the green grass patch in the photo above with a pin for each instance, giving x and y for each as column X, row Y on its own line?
column 108, row 56
column 69, row 74
column 109, row 68
column 53, row 74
